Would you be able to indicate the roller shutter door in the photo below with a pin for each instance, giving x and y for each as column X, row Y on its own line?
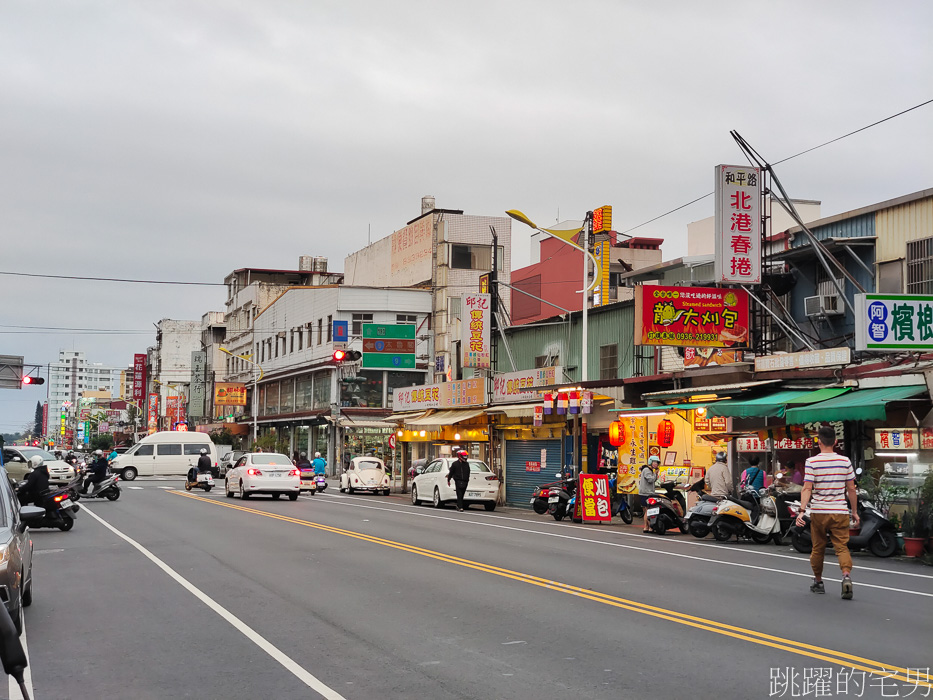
column 519, row 483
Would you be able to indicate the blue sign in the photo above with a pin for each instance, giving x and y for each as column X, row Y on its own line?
column 341, row 331
column 877, row 321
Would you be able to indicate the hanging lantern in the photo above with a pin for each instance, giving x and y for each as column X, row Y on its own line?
column 616, row 434
column 665, row 433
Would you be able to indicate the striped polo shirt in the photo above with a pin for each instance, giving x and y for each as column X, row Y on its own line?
column 828, row 472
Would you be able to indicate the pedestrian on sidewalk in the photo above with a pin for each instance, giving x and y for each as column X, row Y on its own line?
column 828, row 480
column 646, row 480
column 754, row 476
column 460, row 472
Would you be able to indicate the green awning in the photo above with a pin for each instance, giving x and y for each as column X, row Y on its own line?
column 860, row 404
column 771, row 405
column 819, row 395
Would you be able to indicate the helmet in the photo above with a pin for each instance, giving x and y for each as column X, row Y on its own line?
column 98, row 452
column 720, row 456
column 654, row 458
column 203, row 451
column 36, row 461
column 302, row 454
column 462, row 453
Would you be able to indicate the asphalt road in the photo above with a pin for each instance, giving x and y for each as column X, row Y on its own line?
column 164, row 594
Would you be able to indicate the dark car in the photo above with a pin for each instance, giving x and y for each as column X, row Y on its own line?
column 15, row 554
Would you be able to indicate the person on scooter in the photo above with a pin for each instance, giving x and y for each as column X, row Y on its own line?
column 36, row 484
column 98, row 471
column 646, row 481
column 319, row 464
column 203, row 467
column 719, row 478
column 303, row 462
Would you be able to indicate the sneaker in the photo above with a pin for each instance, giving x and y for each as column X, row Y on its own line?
column 846, row 588
column 817, row 587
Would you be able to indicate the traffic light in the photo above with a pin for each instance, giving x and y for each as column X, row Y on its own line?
column 29, row 381
column 341, row 356
column 353, row 355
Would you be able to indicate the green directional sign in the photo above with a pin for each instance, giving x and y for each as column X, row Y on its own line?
column 388, row 346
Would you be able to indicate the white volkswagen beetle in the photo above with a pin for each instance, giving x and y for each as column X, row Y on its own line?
column 365, row 474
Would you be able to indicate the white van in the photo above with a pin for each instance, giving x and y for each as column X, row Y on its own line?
column 169, row 452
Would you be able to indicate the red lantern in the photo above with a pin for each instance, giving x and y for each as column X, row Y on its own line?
column 616, row 434
column 665, row 433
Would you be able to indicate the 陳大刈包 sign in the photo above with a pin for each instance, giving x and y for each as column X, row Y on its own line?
column 691, row 316
column 893, row 322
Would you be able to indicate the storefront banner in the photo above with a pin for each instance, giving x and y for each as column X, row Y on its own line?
column 139, row 379
column 601, row 253
column 532, row 466
column 690, row 316
column 711, row 357
column 515, row 387
column 887, row 439
column 45, row 418
column 716, row 424
column 198, row 391
column 594, row 497
column 475, row 324
column 229, row 394
column 738, row 225
column 803, row 360
column 465, row 393
column 539, row 416
column 152, row 413
column 893, row 322
column 175, row 408
column 758, row 445
column 633, row 453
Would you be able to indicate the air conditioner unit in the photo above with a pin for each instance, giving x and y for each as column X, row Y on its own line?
column 823, row 305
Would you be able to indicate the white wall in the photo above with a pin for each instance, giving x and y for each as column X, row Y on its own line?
column 700, row 234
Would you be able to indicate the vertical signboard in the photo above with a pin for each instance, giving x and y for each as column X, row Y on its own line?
column 475, row 345
column 633, row 452
column 45, row 418
column 738, row 224
column 152, row 413
column 198, row 383
column 594, row 497
column 601, row 290
column 341, row 331
column 139, row 379
column 602, row 219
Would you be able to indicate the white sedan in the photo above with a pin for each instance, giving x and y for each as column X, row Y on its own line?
column 431, row 485
column 365, row 474
column 263, row 472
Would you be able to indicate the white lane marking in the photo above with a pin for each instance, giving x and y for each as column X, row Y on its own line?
column 171, row 488
column 691, row 542
column 140, row 488
column 518, row 641
column 858, row 584
column 15, row 692
column 277, row 654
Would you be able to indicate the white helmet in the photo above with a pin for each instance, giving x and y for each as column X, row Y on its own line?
column 317, row 454
column 203, row 451
column 36, row 461
column 98, row 452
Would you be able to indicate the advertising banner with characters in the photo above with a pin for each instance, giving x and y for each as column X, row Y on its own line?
column 691, row 316
column 633, row 452
column 594, row 497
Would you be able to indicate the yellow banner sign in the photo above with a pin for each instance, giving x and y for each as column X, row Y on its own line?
column 229, row 394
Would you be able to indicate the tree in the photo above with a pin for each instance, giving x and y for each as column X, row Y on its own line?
column 225, row 437
column 38, row 429
column 102, row 442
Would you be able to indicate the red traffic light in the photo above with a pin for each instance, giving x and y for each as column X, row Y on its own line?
column 340, row 355
column 27, row 380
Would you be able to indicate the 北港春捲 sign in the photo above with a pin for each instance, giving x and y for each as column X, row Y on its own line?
column 691, row 316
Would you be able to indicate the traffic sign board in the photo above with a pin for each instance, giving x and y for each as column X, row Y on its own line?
column 388, row 346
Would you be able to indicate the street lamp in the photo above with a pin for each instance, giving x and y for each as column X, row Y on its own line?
column 566, row 235
column 255, row 406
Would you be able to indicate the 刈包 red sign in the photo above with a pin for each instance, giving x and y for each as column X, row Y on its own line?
column 691, row 316
column 593, row 494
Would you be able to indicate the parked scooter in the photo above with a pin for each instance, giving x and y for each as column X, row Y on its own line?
column 200, row 480
column 619, row 502
column 666, row 511
column 539, row 497
column 60, row 510
column 876, row 533
column 751, row 515
column 559, row 497
column 699, row 515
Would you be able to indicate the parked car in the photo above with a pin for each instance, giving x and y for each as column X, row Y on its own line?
column 263, row 472
column 365, row 474
column 16, row 461
column 166, row 452
column 16, row 551
column 229, row 459
column 431, row 485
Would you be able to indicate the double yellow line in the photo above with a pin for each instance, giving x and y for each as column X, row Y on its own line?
column 914, row 676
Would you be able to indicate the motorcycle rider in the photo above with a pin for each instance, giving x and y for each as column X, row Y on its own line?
column 98, row 472
column 719, row 478
column 319, row 464
column 303, row 462
column 36, row 484
column 203, row 467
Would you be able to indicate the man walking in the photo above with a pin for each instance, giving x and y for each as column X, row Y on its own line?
column 460, row 472
column 828, row 480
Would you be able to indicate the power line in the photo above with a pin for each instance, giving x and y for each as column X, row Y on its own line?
column 784, row 160
column 110, row 279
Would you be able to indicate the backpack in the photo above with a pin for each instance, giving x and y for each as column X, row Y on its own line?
column 748, row 477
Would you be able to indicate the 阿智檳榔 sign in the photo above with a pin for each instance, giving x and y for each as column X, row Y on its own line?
column 893, row 322
column 691, row 316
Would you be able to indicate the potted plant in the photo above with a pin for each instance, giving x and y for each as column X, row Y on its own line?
column 914, row 535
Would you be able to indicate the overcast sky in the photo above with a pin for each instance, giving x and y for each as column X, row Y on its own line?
column 182, row 140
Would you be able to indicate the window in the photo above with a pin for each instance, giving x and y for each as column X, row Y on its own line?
column 291, row 342
column 406, row 318
column 301, row 336
column 891, row 277
column 192, row 448
column 320, row 331
column 330, row 327
column 608, row 361
column 453, row 309
column 549, row 360
column 358, row 321
column 920, row 266
column 168, row 449
column 824, row 283
column 470, row 257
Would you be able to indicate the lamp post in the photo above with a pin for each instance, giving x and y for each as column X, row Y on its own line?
column 255, row 407
column 566, row 235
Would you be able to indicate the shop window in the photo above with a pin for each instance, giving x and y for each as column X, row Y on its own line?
column 608, row 361
column 363, row 390
column 272, row 399
column 358, row 321
column 287, row 396
column 321, row 390
column 303, row 394
column 920, row 266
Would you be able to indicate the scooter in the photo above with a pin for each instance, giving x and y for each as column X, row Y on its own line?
column 60, row 510
column 108, row 488
column 666, row 511
column 752, row 515
column 620, row 502
column 204, row 480
column 876, row 533
column 559, row 497
column 699, row 515
column 320, row 482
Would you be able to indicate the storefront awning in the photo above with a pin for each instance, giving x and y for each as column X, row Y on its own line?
column 513, row 410
column 860, row 404
column 722, row 389
column 404, row 415
column 446, row 417
column 773, row 405
column 657, row 410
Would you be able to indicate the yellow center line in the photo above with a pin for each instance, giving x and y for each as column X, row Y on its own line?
column 816, row 652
